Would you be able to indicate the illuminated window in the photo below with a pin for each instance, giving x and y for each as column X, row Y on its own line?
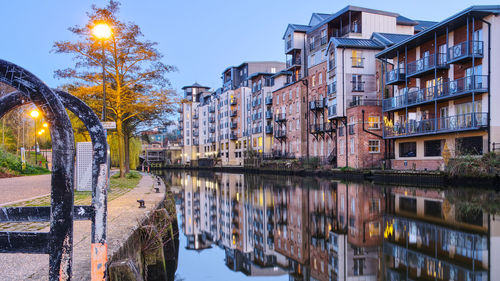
column 374, row 146
column 260, row 141
column 374, row 122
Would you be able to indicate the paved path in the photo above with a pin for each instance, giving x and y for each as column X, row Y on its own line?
column 123, row 215
column 23, row 188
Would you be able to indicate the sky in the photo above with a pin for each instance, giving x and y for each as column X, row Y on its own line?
column 200, row 37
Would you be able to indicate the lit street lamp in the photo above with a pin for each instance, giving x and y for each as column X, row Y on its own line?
column 34, row 114
column 102, row 31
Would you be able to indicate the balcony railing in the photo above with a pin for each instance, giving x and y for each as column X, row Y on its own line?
column 312, row 45
column 195, row 116
column 233, row 113
column 316, row 128
column 317, row 104
column 196, row 125
column 257, row 130
column 233, row 136
column 288, row 44
column 465, row 50
column 461, row 86
column 426, row 64
column 365, row 102
column 332, row 111
column 211, row 129
column 269, row 114
column 455, row 123
column 324, row 40
column 280, row 117
column 211, row 109
column 279, row 133
column 358, row 86
column 233, row 125
column 328, row 127
column 354, row 28
column 181, row 118
column 256, row 116
column 269, row 129
column 234, row 102
column 196, row 142
column 211, row 119
column 196, row 133
column 395, row 76
column 293, row 62
column 269, row 100
column 357, row 62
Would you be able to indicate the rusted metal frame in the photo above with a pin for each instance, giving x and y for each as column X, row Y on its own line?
column 60, row 237
column 41, row 214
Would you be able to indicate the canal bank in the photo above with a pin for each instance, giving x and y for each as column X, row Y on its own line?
column 390, row 177
column 124, row 218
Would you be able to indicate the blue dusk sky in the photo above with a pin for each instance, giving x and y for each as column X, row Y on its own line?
column 200, row 37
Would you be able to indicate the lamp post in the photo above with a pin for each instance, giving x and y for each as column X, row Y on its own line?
column 102, row 31
column 34, row 114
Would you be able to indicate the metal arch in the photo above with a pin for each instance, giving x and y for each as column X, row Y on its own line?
column 96, row 212
column 58, row 243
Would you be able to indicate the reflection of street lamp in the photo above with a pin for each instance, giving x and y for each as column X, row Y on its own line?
column 34, row 114
column 102, row 31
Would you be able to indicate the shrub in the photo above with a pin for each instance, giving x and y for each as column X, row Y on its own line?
column 474, row 166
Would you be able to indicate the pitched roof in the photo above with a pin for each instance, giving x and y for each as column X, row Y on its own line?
column 195, row 85
column 450, row 23
column 423, row 24
column 296, row 28
column 389, row 39
column 355, row 43
column 405, row 21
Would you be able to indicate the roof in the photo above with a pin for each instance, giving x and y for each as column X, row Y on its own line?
column 355, row 43
column 249, row 62
column 283, row 72
column 351, row 8
column 389, row 39
column 317, row 17
column 423, row 24
column 405, row 21
column 296, row 28
column 255, row 74
column 449, row 23
column 195, row 85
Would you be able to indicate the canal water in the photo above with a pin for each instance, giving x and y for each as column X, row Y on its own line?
column 239, row 226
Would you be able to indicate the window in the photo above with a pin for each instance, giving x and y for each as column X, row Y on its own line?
column 357, row 58
column 408, row 149
column 433, row 147
column 374, row 122
column 298, row 106
column 469, row 146
column 433, row 208
column 290, row 95
column 352, row 145
column 374, row 146
column 342, row 147
column 408, row 204
column 357, row 83
column 320, row 78
column 313, row 80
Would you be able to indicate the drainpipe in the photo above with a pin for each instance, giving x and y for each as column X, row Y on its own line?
column 489, row 86
column 363, row 125
column 344, row 120
column 306, row 83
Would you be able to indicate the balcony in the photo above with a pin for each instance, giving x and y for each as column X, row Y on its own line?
column 181, row 127
column 324, row 40
column 426, row 64
column 257, row 130
column 211, row 119
column 196, row 142
column 288, row 45
column 317, row 104
column 195, row 116
column 358, row 86
column 196, row 125
column 196, row 133
column 256, row 116
column 233, row 136
column 233, row 125
column 316, row 128
column 234, row 102
column 280, row 117
column 353, row 28
column 465, row 50
column 269, row 114
column 449, row 124
column 280, row 134
column 395, row 76
column 357, row 62
column 442, row 91
column 328, row 127
column 211, row 139
column 233, row 113
column 312, row 45
column 211, row 129
column 269, row 129
column 332, row 111
column 364, row 102
column 181, row 118
column 269, row 100
column 211, row 109
column 293, row 62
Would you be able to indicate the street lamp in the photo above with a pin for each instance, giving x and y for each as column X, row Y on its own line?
column 102, row 31
column 34, row 114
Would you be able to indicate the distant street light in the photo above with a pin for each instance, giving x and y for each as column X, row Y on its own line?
column 102, row 31
column 34, row 114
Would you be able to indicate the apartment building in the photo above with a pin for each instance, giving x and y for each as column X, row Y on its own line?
column 439, row 92
column 189, row 121
column 261, row 112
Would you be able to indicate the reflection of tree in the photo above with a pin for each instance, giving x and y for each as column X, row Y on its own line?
column 470, row 201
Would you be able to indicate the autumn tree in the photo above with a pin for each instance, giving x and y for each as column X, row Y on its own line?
column 137, row 89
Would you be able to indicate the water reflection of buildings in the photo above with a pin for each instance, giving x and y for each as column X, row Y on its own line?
column 315, row 229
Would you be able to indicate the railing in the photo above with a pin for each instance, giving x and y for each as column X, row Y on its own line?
column 357, row 62
column 332, row 110
column 181, row 127
column 269, row 100
column 316, row 128
column 233, row 136
column 426, row 63
column 233, row 125
column 195, row 125
column 288, row 44
column 211, row 129
column 312, row 46
column 331, row 65
column 280, row 117
column 395, row 75
column 256, row 116
column 257, row 130
column 358, row 86
column 233, row 113
column 317, row 104
column 269, row 129
column 324, row 40
column 279, row 133
column 328, row 127
column 211, row 119
column 354, row 28
column 332, row 88
column 211, row 109
column 468, row 121
column 181, row 118
column 464, row 50
column 275, row 154
column 196, row 133
column 196, row 142
column 365, row 102
column 443, row 90
column 269, row 114
column 233, row 102
column 195, row 116
column 293, row 61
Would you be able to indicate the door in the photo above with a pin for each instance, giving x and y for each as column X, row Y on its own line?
column 426, row 60
column 443, row 118
column 442, row 54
